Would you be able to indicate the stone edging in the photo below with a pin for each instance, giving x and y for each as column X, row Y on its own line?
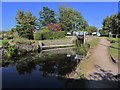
column 74, row 74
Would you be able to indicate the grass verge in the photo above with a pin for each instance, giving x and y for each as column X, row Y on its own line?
column 93, row 43
column 110, row 39
column 114, row 50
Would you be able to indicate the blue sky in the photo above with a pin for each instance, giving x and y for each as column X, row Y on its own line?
column 93, row 12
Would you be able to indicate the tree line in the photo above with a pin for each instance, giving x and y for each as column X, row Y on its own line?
column 111, row 25
column 67, row 20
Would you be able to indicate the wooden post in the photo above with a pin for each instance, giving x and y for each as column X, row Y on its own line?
column 84, row 38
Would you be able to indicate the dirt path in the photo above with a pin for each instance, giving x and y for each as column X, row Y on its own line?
column 104, row 71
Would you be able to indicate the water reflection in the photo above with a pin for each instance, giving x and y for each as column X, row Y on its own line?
column 50, row 64
column 46, row 64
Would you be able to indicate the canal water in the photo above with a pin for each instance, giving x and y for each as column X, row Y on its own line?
column 40, row 70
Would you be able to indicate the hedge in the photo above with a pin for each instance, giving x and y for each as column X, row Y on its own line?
column 38, row 36
column 49, row 35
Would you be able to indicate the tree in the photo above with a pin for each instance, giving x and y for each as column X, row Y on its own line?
column 78, row 22
column 47, row 16
column 92, row 29
column 26, row 24
column 65, row 18
column 103, row 32
column 115, row 25
column 111, row 24
column 107, row 24
column 70, row 19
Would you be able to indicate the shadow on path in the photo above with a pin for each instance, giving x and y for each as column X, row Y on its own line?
column 103, row 79
column 100, row 79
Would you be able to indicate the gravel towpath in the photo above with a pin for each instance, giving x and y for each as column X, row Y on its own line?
column 103, row 74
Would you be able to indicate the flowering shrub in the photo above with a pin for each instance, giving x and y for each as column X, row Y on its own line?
column 54, row 27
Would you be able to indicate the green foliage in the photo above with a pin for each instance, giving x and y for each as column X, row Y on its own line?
column 15, row 34
column 111, row 24
column 26, row 24
column 12, row 51
column 70, row 19
column 92, row 29
column 81, row 48
column 47, row 16
column 49, row 35
column 7, row 34
column 54, row 35
column 103, row 32
column 110, row 39
column 5, row 43
column 38, row 36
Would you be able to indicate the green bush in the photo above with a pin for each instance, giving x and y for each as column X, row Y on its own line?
column 59, row 34
column 82, row 48
column 5, row 43
column 49, row 35
column 54, row 35
column 13, row 50
column 38, row 36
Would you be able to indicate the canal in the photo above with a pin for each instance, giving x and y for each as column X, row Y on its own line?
column 46, row 69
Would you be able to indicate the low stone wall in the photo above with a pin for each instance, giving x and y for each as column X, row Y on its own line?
column 32, row 47
column 27, row 47
column 68, row 50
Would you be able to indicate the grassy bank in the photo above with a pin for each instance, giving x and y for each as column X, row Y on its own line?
column 93, row 43
column 110, row 39
column 114, row 48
